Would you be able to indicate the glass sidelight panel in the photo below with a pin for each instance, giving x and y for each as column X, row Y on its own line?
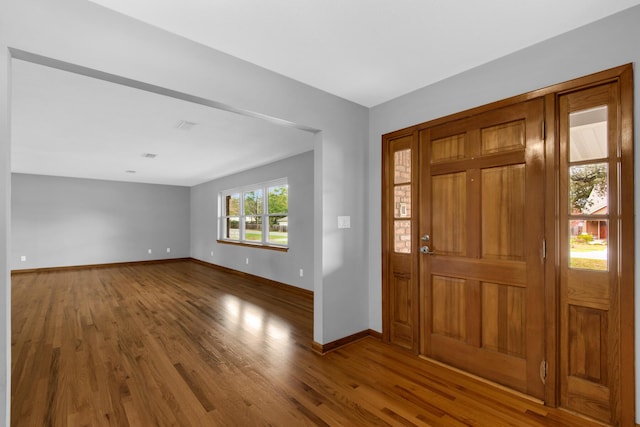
column 402, row 201
column 588, row 248
column 402, row 236
column 588, row 189
column 402, row 166
column 588, row 134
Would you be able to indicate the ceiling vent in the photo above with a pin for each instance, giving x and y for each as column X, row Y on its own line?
column 185, row 125
column 149, row 155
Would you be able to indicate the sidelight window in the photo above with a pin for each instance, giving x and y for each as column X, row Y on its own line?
column 402, row 201
column 588, row 203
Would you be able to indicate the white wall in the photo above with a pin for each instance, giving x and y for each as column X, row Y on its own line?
column 60, row 222
column 280, row 266
column 605, row 44
column 82, row 33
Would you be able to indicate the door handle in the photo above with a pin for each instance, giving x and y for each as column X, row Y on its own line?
column 426, row 250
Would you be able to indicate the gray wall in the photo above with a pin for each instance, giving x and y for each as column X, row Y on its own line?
column 68, row 221
column 5, row 235
column 605, row 44
column 280, row 266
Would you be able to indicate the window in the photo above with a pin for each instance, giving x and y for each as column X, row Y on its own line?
column 256, row 214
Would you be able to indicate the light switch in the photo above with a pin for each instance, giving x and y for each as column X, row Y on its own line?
column 344, row 222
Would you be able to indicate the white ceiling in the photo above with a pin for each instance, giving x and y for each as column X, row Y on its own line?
column 65, row 124
column 367, row 51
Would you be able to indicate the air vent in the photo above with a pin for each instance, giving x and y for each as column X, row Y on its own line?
column 185, row 125
column 129, row 171
column 149, row 155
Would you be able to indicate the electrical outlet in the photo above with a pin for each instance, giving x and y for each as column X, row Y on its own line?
column 211, row 253
column 301, row 273
column 168, row 250
column 247, row 261
column 149, row 251
column 23, row 258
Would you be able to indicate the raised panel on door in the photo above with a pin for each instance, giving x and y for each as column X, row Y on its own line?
column 401, row 309
column 504, row 319
column 449, row 307
column 449, row 194
column 503, row 216
column 482, row 283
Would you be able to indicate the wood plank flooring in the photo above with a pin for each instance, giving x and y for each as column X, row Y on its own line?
column 181, row 344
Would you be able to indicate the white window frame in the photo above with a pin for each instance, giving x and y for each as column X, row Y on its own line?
column 223, row 215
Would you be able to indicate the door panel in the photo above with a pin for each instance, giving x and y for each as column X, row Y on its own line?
column 449, row 193
column 503, row 137
column 400, row 285
column 449, row 148
column 503, row 212
column 450, row 307
column 504, row 319
column 482, row 205
column 589, row 304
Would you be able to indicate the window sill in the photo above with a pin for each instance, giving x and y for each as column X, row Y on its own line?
column 254, row 245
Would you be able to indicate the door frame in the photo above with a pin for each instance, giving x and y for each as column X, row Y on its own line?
column 623, row 75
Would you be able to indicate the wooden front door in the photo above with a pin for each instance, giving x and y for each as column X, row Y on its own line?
column 482, row 276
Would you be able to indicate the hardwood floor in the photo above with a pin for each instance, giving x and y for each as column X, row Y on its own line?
column 179, row 343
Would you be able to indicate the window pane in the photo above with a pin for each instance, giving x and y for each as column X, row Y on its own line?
column 233, row 204
column 253, row 202
column 402, row 236
column 588, row 244
column 253, row 228
column 279, row 199
column 588, row 134
column 232, row 228
column 588, row 190
column 402, row 201
column 279, row 229
column 402, row 166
